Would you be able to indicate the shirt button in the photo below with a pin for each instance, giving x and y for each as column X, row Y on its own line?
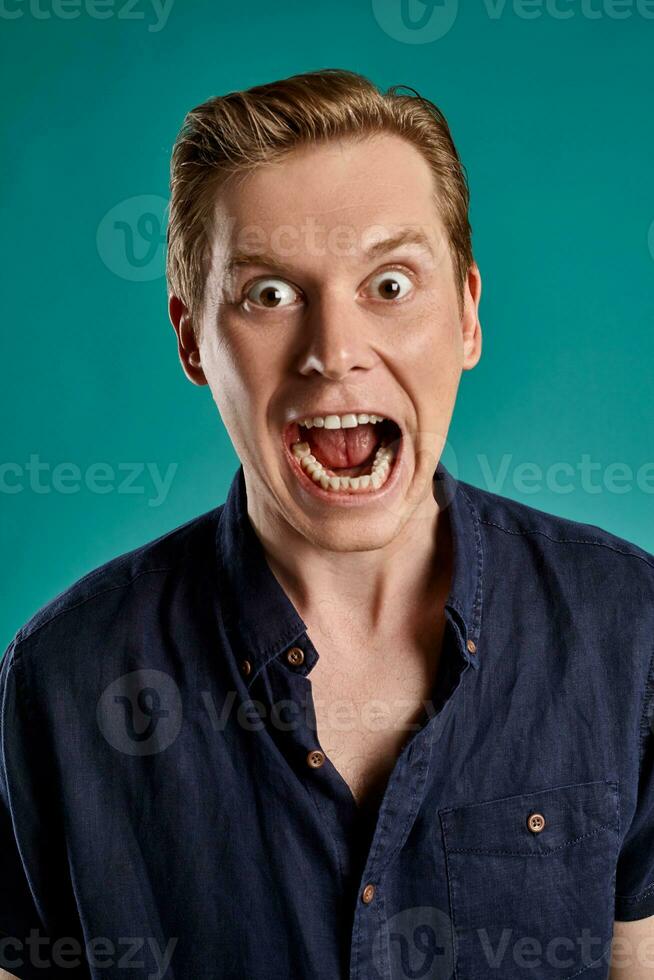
column 536, row 822
column 368, row 894
column 315, row 759
column 295, row 656
column 472, row 646
column 246, row 667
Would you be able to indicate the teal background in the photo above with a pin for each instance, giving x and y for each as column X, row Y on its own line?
column 553, row 120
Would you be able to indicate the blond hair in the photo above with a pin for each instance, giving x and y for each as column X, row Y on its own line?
column 234, row 133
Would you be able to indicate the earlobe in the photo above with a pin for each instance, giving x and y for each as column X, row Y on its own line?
column 472, row 347
column 187, row 346
column 470, row 324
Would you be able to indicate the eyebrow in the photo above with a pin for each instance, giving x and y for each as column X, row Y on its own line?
column 375, row 250
column 407, row 237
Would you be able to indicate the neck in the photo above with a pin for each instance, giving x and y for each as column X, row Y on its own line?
column 376, row 592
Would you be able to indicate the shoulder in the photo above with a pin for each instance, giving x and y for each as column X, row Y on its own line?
column 575, row 579
column 121, row 590
column 512, row 523
column 578, row 581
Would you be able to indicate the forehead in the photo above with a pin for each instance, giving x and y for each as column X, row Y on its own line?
column 358, row 190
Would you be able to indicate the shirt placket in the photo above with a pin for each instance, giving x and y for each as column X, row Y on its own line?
column 363, row 859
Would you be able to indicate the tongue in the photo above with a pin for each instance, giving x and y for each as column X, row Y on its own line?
column 340, row 448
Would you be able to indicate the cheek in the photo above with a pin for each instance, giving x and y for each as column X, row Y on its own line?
column 244, row 370
column 232, row 377
column 236, row 363
column 432, row 352
column 432, row 345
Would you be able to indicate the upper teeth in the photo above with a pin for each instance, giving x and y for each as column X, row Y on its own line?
column 340, row 421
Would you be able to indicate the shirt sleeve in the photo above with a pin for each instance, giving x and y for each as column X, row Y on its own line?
column 635, row 870
column 24, row 840
column 18, row 912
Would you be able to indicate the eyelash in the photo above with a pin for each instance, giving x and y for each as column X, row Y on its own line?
column 389, row 268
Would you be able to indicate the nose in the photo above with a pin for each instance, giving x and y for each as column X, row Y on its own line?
column 336, row 339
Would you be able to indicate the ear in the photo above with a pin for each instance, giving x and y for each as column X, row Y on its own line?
column 187, row 345
column 470, row 324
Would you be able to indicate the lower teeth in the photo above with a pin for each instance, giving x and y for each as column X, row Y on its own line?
column 381, row 467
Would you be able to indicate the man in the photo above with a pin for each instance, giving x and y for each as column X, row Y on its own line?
column 363, row 720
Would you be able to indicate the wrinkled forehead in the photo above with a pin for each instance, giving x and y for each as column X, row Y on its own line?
column 338, row 202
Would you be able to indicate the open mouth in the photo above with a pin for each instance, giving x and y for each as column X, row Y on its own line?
column 354, row 453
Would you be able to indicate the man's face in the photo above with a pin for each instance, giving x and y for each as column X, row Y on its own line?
column 332, row 293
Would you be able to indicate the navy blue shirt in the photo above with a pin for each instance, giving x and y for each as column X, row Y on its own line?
column 165, row 810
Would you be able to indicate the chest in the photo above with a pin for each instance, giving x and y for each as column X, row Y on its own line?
column 368, row 702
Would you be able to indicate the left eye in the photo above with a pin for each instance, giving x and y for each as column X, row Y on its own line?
column 391, row 284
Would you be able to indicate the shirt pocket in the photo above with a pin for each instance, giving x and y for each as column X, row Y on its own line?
column 531, row 882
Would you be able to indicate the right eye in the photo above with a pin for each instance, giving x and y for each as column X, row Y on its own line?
column 271, row 293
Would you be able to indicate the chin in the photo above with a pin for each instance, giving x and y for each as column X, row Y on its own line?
column 352, row 535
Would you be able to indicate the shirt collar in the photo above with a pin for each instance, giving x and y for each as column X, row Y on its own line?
column 465, row 598
column 263, row 619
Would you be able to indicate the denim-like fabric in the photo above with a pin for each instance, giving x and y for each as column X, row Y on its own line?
column 158, row 816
